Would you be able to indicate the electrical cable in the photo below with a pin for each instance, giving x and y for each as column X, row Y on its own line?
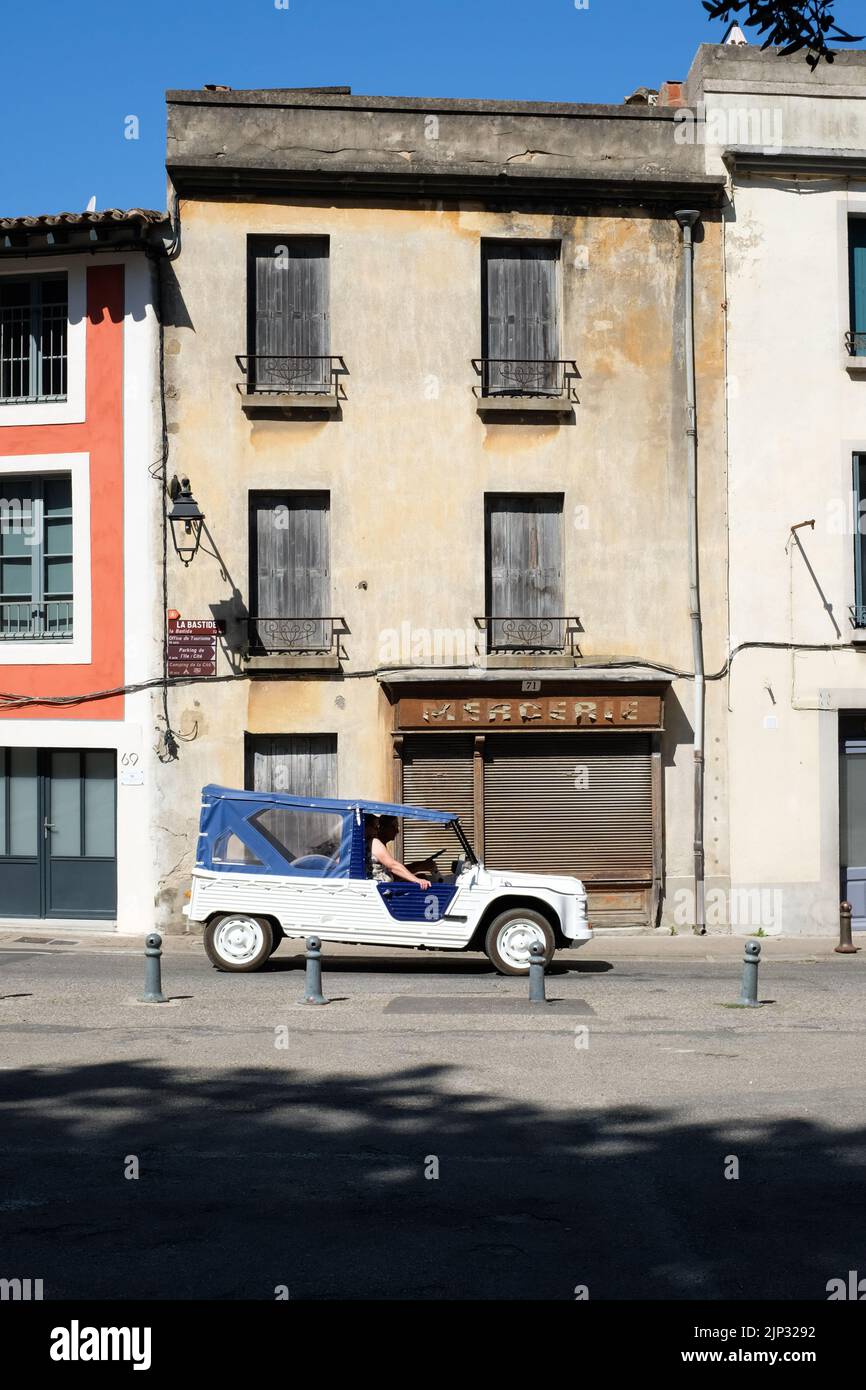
column 10, row 700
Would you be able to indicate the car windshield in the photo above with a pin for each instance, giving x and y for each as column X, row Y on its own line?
column 426, row 843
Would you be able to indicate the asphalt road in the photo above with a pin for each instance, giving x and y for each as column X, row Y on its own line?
column 581, row 1143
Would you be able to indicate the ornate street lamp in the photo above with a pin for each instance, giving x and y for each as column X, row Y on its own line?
column 186, row 520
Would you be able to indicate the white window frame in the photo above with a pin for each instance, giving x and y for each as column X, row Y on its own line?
column 48, row 651
column 72, row 410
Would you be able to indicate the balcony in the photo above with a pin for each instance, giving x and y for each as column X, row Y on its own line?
column 857, row 614
column 24, row 621
column 550, row 638
column 526, row 384
column 293, row 644
column 279, row 382
column 855, row 352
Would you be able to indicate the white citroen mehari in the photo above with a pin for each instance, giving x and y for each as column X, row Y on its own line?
column 270, row 865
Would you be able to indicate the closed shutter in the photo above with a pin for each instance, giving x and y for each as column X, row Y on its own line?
column 300, row 765
column 437, row 774
column 521, row 334
column 290, row 280
column 570, row 804
column 291, row 564
column 524, row 550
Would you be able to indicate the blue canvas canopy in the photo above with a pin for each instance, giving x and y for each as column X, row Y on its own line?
column 323, row 803
column 255, row 832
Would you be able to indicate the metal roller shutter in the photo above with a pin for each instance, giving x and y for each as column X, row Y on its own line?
column 437, row 773
column 538, row 815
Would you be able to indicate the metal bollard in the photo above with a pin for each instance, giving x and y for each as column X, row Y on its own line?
column 749, row 988
column 536, row 975
column 846, row 946
column 153, row 970
column 313, row 976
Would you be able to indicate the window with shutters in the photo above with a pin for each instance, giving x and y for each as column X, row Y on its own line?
column 520, row 354
column 290, row 573
column 856, row 338
column 523, row 546
column 300, row 765
column 289, row 340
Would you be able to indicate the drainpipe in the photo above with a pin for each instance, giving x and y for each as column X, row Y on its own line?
column 687, row 219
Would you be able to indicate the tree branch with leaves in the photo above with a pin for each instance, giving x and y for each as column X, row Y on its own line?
column 789, row 25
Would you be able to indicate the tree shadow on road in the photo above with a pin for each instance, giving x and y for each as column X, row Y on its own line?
column 251, row 1178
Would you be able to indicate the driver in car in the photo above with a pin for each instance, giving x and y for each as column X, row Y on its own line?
column 381, row 864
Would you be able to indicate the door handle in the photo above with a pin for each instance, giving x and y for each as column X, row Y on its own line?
column 46, row 826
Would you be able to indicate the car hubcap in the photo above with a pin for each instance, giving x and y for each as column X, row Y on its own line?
column 517, row 940
column 238, row 940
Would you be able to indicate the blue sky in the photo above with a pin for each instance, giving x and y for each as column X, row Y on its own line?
column 73, row 72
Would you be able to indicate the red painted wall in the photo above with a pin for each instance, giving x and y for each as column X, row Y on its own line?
column 101, row 436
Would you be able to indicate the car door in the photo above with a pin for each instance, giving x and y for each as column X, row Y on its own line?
column 406, row 902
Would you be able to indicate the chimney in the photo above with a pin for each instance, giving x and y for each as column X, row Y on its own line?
column 671, row 94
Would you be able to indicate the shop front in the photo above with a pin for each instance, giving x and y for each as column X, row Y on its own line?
column 550, row 779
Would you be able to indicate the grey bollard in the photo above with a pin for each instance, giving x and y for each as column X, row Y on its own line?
column 846, row 946
column 313, row 975
column 749, row 988
column 536, row 975
column 153, row 970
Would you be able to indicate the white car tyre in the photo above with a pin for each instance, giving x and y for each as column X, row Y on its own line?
column 237, row 942
column 511, row 936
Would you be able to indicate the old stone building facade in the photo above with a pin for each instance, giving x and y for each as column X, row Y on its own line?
column 426, row 368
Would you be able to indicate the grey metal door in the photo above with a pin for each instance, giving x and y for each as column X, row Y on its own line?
column 852, row 798
column 58, row 842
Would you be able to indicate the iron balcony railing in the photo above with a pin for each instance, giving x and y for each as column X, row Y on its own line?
column 528, row 634
column 856, row 344
column 23, row 621
column 283, row 636
column 857, row 613
column 270, row 375
column 525, row 376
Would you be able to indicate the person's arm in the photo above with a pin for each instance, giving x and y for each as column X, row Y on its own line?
column 383, row 856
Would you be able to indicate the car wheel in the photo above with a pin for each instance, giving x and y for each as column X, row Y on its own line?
column 279, row 938
column 237, row 942
column 511, row 936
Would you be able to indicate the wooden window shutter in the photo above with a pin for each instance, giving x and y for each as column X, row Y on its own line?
column 524, row 579
column 521, row 330
column 290, row 569
column 291, row 318
column 299, row 764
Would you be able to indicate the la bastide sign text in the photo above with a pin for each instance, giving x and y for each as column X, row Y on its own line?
column 192, row 646
column 533, row 712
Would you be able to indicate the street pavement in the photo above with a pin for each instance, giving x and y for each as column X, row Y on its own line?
column 429, row 1134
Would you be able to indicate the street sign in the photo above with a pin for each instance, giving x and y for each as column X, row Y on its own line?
column 192, row 646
